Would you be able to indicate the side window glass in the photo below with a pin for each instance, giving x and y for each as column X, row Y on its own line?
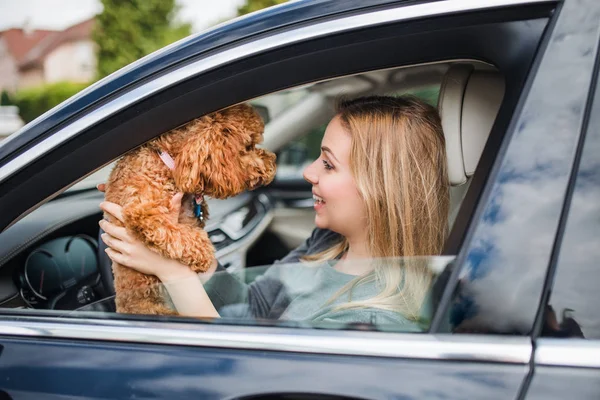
column 572, row 310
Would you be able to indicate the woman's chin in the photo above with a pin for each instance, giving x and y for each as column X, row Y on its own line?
column 320, row 222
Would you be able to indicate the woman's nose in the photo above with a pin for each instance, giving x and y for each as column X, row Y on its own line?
column 310, row 174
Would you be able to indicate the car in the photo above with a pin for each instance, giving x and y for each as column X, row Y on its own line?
column 514, row 299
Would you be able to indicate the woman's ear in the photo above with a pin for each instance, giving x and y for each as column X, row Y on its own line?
column 192, row 156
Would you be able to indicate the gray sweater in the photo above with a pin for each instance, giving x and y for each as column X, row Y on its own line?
column 290, row 290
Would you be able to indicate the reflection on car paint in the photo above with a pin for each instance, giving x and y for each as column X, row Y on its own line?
column 575, row 292
column 209, row 373
column 532, row 181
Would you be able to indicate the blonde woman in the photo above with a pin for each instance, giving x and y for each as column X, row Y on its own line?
column 381, row 198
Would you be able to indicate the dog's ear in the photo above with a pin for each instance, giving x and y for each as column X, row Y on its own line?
column 190, row 158
column 215, row 152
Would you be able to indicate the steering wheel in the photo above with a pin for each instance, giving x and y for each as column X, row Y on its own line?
column 105, row 268
column 107, row 303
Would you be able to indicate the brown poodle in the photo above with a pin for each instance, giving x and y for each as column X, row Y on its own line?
column 214, row 155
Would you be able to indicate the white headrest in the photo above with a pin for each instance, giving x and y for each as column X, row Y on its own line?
column 468, row 104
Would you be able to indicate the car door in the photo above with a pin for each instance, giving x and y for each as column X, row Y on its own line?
column 567, row 346
column 57, row 355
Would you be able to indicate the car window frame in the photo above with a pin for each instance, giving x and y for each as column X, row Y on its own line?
column 519, row 348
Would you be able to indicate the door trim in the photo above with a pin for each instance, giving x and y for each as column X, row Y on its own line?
column 473, row 348
column 568, row 353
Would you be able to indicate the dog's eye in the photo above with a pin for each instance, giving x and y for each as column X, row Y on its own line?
column 250, row 147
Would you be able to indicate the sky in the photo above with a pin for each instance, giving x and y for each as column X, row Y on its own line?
column 60, row 14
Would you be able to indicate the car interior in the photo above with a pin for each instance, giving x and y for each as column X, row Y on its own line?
column 52, row 259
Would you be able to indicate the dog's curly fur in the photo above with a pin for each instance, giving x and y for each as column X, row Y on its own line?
column 214, row 155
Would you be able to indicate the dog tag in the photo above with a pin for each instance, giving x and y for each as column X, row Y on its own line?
column 198, row 209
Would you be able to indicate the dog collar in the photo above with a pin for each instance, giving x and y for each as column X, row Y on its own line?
column 167, row 159
column 197, row 202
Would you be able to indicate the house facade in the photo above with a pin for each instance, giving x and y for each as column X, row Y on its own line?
column 33, row 58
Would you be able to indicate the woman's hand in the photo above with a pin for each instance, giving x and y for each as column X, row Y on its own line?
column 125, row 249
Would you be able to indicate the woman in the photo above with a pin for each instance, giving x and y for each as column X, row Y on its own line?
column 381, row 193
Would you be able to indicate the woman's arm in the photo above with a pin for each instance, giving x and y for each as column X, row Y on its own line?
column 189, row 297
column 266, row 298
column 184, row 286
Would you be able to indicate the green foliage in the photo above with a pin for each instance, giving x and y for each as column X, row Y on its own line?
column 127, row 30
column 255, row 5
column 5, row 99
column 429, row 95
column 33, row 102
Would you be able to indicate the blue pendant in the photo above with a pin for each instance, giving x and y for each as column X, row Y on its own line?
column 198, row 210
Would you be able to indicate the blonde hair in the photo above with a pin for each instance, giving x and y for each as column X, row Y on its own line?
column 398, row 161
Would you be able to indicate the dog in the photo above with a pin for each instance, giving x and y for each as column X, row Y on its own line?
column 214, row 155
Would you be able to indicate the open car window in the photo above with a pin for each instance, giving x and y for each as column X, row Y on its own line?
column 255, row 228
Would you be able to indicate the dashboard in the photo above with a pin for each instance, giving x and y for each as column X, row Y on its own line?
column 50, row 260
column 57, row 268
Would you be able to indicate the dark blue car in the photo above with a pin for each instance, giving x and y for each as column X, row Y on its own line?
column 515, row 301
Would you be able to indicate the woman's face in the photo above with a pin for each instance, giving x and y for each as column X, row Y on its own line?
column 338, row 204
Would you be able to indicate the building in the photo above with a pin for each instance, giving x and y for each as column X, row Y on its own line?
column 10, row 121
column 34, row 57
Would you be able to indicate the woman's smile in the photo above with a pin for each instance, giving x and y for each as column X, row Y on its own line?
column 319, row 202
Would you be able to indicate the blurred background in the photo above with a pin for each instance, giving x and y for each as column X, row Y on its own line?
column 52, row 49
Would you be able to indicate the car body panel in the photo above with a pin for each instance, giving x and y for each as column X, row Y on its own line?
column 66, row 357
column 95, row 370
column 564, row 383
column 566, row 368
column 575, row 279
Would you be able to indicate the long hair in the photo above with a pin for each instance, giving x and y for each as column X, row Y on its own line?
column 398, row 161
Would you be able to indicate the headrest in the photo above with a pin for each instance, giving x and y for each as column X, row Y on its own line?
column 468, row 104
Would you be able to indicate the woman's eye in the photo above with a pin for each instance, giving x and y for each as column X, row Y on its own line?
column 327, row 165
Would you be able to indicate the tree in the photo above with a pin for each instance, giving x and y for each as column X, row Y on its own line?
column 255, row 5
column 5, row 99
column 35, row 101
column 127, row 30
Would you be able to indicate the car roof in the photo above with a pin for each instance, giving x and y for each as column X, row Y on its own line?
column 223, row 35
